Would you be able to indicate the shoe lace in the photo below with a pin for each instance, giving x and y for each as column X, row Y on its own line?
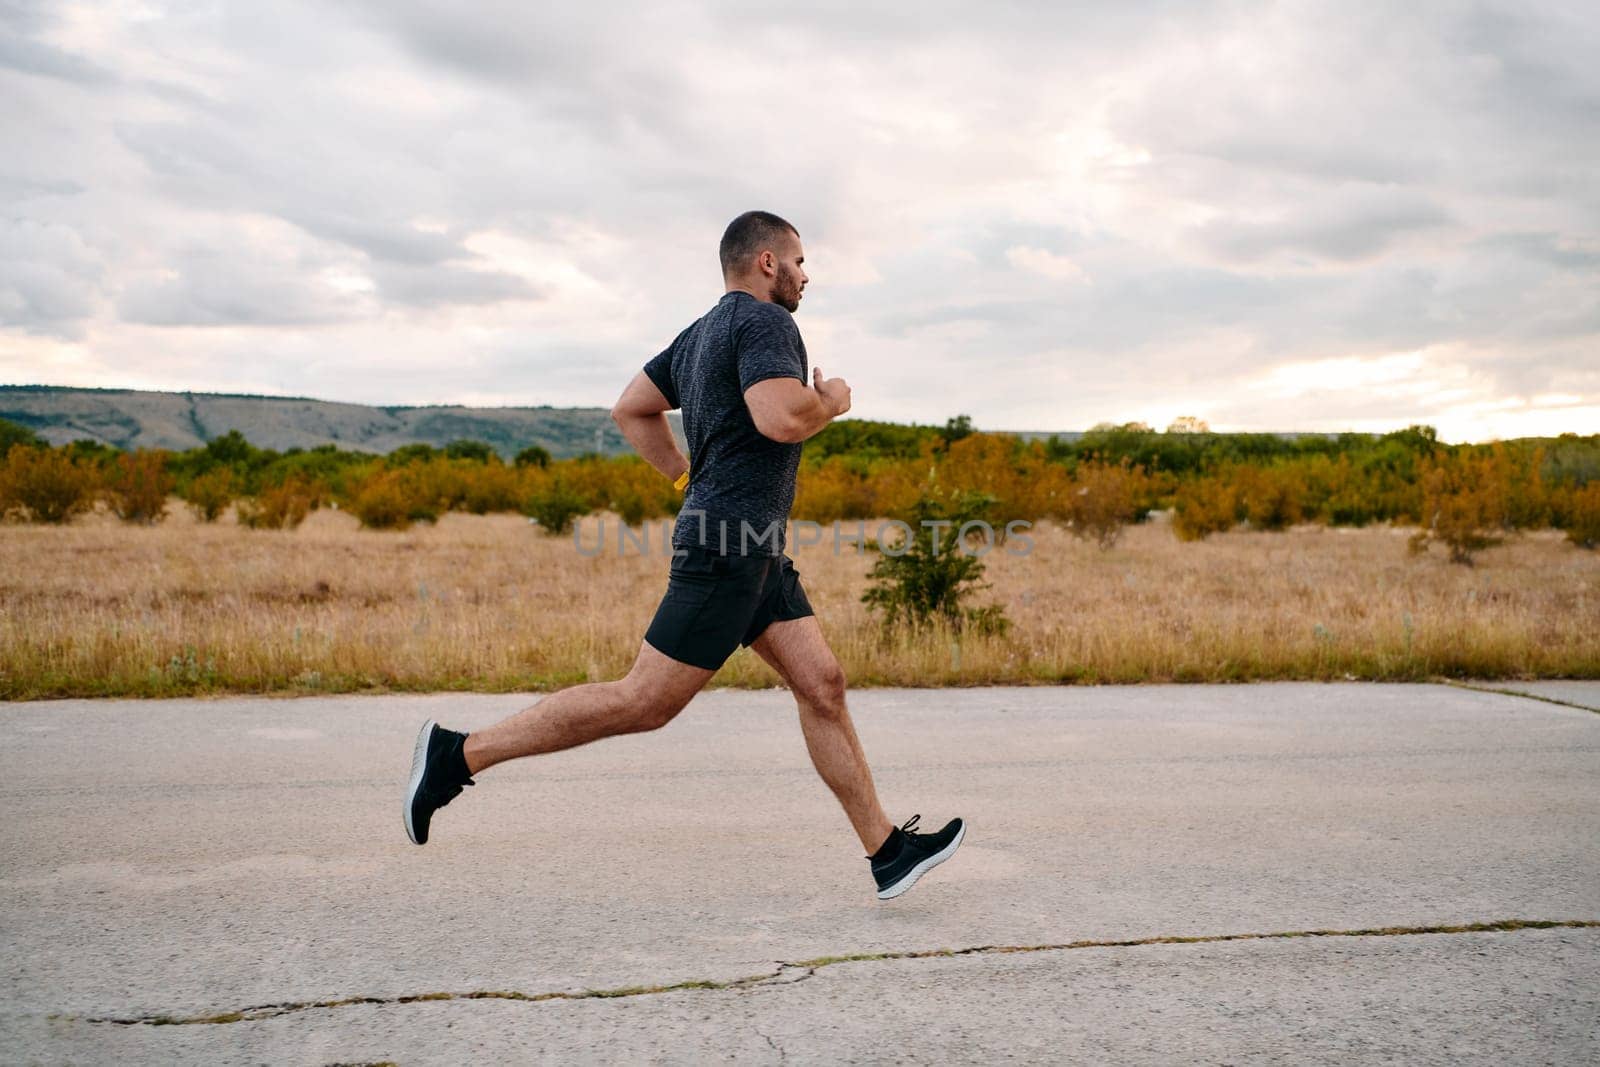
column 910, row 825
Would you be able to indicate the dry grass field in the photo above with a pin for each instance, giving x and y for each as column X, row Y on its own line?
column 491, row 603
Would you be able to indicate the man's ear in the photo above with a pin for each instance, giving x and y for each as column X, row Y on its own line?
column 769, row 262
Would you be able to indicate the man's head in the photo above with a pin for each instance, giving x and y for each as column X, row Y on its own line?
column 761, row 255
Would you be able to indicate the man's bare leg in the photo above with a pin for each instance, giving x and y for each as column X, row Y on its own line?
column 652, row 693
column 798, row 651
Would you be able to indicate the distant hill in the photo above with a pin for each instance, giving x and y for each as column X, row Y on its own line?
column 131, row 418
column 135, row 418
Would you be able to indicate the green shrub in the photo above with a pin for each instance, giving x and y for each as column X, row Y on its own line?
column 465, row 448
column 554, row 505
column 231, row 450
column 533, row 456
column 411, row 454
column 956, row 428
column 932, row 577
column 12, row 433
column 92, row 454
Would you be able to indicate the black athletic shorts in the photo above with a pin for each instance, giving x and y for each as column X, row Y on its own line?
column 714, row 603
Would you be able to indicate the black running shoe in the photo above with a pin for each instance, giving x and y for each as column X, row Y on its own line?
column 898, row 870
column 438, row 771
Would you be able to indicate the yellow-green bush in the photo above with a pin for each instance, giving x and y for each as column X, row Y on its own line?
column 45, row 484
column 280, row 507
column 1464, row 502
column 637, row 491
column 1580, row 515
column 493, row 486
column 209, row 494
column 393, row 499
column 1102, row 499
column 1268, row 497
column 1528, row 500
column 138, row 485
column 1204, row 506
column 833, row 490
column 992, row 464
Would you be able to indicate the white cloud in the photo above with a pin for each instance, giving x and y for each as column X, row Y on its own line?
column 1042, row 261
column 1402, row 372
column 49, row 277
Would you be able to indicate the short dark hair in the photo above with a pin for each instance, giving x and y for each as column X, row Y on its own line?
column 748, row 235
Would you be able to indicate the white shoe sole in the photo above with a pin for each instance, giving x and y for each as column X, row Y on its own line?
column 419, row 763
column 924, row 867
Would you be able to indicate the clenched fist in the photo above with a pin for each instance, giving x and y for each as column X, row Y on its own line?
column 834, row 392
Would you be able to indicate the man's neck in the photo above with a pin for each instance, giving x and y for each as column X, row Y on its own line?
column 742, row 287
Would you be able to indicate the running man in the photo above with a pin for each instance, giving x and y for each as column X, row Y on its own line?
column 739, row 375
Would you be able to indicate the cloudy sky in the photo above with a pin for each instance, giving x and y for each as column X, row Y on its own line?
column 1313, row 216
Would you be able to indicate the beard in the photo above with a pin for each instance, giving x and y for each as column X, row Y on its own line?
column 786, row 289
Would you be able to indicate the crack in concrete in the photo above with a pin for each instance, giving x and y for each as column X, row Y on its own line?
column 1517, row 693
column 810, row 967
column 783, row 1057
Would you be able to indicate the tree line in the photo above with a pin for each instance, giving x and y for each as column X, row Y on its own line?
column 1462, row 496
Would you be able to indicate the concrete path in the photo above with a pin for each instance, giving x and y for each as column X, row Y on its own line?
column 239, row 866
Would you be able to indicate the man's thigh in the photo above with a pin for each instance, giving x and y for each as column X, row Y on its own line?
column 658, row 675
column 798, row 651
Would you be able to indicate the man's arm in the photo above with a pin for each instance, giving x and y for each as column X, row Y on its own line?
column 641, row 414
column 785, row 410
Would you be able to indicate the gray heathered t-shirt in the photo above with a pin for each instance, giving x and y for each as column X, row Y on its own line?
column 736, row 474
